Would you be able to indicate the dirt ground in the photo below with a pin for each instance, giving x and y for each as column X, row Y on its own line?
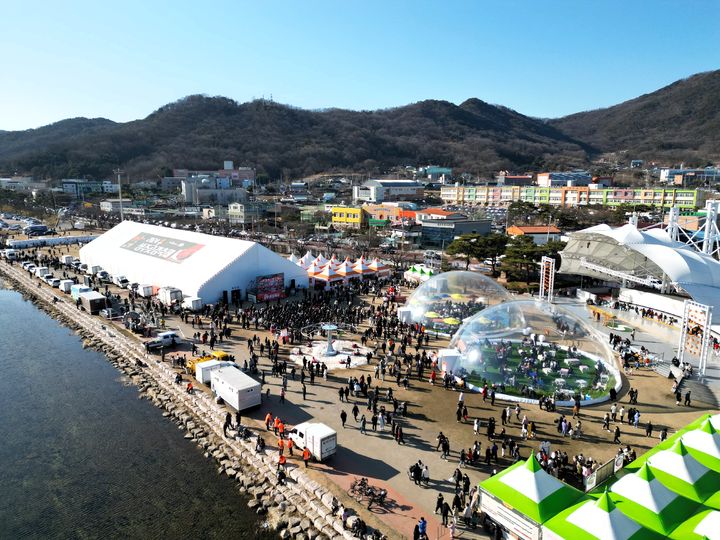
column 432, row 409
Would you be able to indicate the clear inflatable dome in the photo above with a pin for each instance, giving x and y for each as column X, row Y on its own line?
column 532, row 348
column 444, row 301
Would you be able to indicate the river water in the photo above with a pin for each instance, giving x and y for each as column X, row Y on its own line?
column 82, row 457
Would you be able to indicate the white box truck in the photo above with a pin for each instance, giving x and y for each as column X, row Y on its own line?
column 67, row 260
column 169, row 295
column 193, row 303
column 146, row 291
column 41, row 271
column 238, row 390
column 66, row 285
column 203, row 370
column 77, row 289
column 93, row 270
column 319, row 438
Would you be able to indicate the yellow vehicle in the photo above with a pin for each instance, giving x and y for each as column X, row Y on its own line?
column 190, row 363
column 222, row 356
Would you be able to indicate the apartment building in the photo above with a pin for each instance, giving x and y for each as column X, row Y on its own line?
column 569, row 196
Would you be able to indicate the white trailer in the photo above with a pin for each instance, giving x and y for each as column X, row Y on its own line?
column 238, row 390
column 203, row 370
column 320, row 439
column 169, row 295
column 146, row 291
column 193, row 303
column 66, row 285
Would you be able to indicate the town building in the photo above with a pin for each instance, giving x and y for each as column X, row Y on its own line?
column 504, row 179
column 210, row 190
column 683, row 176
column 244, row 213
column 557, row 179
column 377, row 191
column 441, row 232
column 348, row 217
column 298, row 187
column 503, row 196
column 430, row 214
column 171, row 184
column 215, row 212
column 78, row 188
column 113, row 205
column 541, row 234
column 433, row 173
column 237, row 176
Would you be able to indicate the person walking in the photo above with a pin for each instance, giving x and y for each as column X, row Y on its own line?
column 355, row 412
column 649, row 429
column 445, row 513
column 363, row 422
column 687, row 398
column 616, row 439
column 439, row 503
column 304, row 391
column 343, row 417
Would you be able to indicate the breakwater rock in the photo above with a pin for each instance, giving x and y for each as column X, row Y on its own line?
column 301, row 509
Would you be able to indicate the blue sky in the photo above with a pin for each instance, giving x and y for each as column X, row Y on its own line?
column 122, row 60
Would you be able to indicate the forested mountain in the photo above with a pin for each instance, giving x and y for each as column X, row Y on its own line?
column 200, row 132
column 680, row 122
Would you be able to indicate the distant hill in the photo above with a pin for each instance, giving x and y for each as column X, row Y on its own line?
column 680, row 122
column 200, row 132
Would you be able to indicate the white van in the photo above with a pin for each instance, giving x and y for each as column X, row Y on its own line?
column 11, row 254
column 164, row 339
column 319, row 438
column 121, row 281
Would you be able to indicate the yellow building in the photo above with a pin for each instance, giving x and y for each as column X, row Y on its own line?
column 348, row 217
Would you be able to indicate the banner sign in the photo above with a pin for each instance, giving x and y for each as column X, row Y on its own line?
column 270, row 287
column 162, row 247
column 510, row 519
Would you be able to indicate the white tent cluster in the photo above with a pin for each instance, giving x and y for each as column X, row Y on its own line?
column 334, row 270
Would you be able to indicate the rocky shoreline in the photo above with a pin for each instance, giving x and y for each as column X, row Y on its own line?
column 302, row 509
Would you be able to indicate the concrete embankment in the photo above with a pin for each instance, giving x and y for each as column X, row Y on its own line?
column 300, row 509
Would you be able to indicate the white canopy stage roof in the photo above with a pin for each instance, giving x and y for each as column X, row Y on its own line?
column 644, row 257
column 198, row 264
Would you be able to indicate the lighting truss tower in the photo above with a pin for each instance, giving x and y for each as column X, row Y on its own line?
column 695, row 333
column 705, row 239
column 547, row 279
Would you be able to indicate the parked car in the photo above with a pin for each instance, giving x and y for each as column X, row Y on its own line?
column 163, row 339
column 112, row 313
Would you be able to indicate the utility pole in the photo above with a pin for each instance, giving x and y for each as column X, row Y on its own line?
column 118, row 171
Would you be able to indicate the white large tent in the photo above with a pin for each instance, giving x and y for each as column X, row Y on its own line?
column 599, row 250
column 209, row 267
